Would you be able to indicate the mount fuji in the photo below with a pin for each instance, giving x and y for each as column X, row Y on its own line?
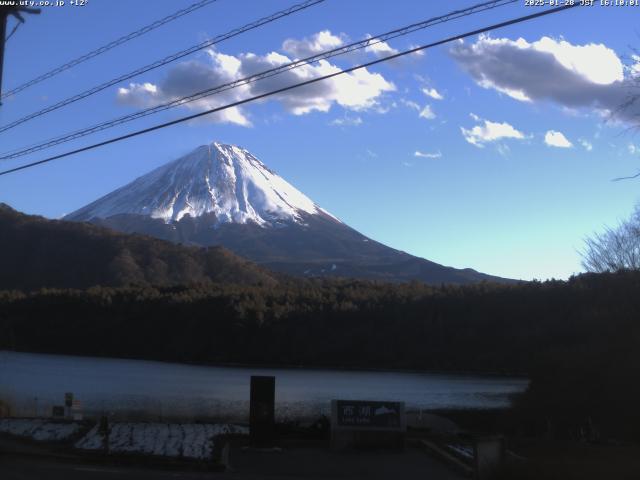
column 223, row 195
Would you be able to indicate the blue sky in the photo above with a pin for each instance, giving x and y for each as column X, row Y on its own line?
column 494, row 154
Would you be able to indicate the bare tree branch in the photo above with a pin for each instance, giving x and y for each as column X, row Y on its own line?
column 614, row 249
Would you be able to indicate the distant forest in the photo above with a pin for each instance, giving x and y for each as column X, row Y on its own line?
column 338, row 323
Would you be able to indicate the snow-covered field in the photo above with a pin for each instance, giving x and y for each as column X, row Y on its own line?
column 195, row 441
column 172, row 440
column 39, row 429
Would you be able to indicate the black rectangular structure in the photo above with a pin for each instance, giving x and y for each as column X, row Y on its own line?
column 57, row 411
column 262, row 411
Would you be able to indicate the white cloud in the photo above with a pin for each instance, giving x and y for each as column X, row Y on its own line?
column 557, row 139
column 633, row 149
column 420, row 154
column 417, row 53
column 489, row 132
column 380, row 49
column 356, row 91
column 594, row 61
column 427, row 113
column 346, row 122
column 433, row 93
column 588, row 76
column 189, row 77
column 634, row 68
column 309, row 46
column 586, row 144
column 148, row 88
column 424, row 112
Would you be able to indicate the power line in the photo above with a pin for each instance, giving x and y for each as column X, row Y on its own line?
column 108, row 46
column 258, row 76
column 294, row 86
column 171, row 58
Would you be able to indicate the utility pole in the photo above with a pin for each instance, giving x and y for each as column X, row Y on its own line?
column 17, row 12
column 3, row 36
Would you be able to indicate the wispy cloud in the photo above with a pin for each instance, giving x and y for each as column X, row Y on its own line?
column 586, row 144
column 346, row 122
column 427, row 113
column 410, row 104
column 503, row 149
column 420, row 154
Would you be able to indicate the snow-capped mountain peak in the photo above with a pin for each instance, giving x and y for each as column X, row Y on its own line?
column 225, row 180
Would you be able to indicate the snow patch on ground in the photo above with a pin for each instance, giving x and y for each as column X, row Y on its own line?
column 462, row 450
column 39, row 429
column 194, row 441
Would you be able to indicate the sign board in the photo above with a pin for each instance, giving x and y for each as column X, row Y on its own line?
column 364, row 423
column 360, row 413
column 262, row 411
column 76, row 410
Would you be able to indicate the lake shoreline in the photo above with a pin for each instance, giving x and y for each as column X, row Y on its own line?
column 36, row 382
column 329, row 368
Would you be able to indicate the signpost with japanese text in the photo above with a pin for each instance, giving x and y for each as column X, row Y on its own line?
column 362, row 423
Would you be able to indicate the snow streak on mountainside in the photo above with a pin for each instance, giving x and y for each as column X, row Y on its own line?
column 225, row 180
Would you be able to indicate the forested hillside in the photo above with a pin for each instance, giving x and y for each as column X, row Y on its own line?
column 334, row 323
column 36, row 252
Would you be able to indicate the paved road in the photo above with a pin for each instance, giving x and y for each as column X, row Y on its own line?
column 313, row 464
column 24, row 468
column 319, row 463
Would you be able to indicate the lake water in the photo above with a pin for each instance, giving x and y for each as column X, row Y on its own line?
column 33, row 383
